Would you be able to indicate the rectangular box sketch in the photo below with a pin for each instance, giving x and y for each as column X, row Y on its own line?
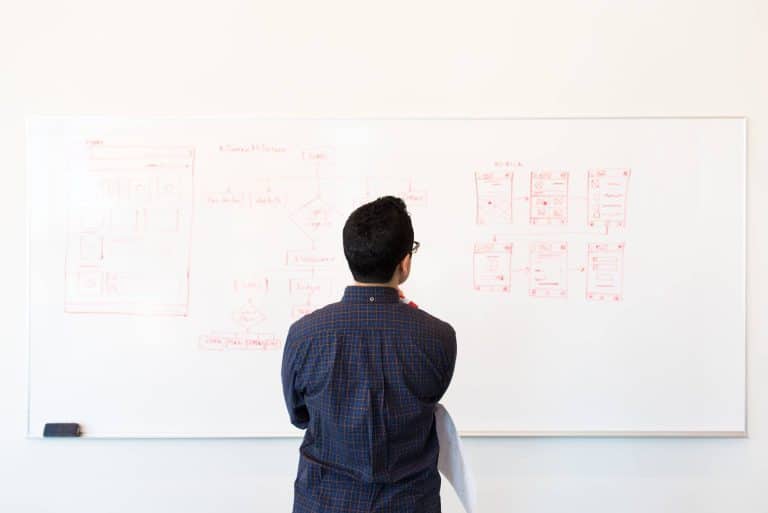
column 309, row 258
column 258, row 195
column 548, row 270
column 492, row 266
column 238, row 341
column 549, row 197
column 605, row 272
column 309, row 293
column 313, row 286
column 91, row 249
column 607, row 197
column 403, row 187
column 493, row 197
column 128, row 240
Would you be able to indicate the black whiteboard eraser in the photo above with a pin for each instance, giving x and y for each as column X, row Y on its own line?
column 61, row 429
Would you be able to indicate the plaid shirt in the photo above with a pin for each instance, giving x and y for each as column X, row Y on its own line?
column 362, row 376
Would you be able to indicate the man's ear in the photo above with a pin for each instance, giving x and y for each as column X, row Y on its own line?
column 405, row 267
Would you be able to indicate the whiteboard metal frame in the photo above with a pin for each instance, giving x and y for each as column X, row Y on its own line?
column 463, row 433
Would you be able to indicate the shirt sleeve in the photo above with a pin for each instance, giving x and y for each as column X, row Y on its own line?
column 294, row 398
column 449, row 363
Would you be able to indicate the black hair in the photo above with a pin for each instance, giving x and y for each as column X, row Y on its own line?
column 377, row 236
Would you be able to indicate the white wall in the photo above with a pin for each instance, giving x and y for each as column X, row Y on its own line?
column 334, row 58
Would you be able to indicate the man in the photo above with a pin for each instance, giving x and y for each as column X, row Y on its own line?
column 363, row 376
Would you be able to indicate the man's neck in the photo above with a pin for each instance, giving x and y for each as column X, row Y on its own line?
column 392, row 284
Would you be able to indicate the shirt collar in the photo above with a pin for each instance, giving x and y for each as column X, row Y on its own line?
column 361, row 294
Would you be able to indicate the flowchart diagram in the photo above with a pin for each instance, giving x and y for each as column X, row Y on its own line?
column 552, row 231
column 298, row 279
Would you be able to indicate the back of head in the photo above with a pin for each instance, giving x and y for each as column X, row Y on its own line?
column 377, row 236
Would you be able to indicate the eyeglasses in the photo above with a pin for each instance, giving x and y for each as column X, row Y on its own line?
column 416, row 246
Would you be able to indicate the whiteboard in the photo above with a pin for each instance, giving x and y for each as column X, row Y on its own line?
column 594, row 269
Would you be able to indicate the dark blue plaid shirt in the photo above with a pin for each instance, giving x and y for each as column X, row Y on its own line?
column 363, row 377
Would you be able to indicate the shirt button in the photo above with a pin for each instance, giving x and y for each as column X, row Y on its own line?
column 371, row 299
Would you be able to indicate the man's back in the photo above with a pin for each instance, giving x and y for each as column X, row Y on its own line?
column 363, row 377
